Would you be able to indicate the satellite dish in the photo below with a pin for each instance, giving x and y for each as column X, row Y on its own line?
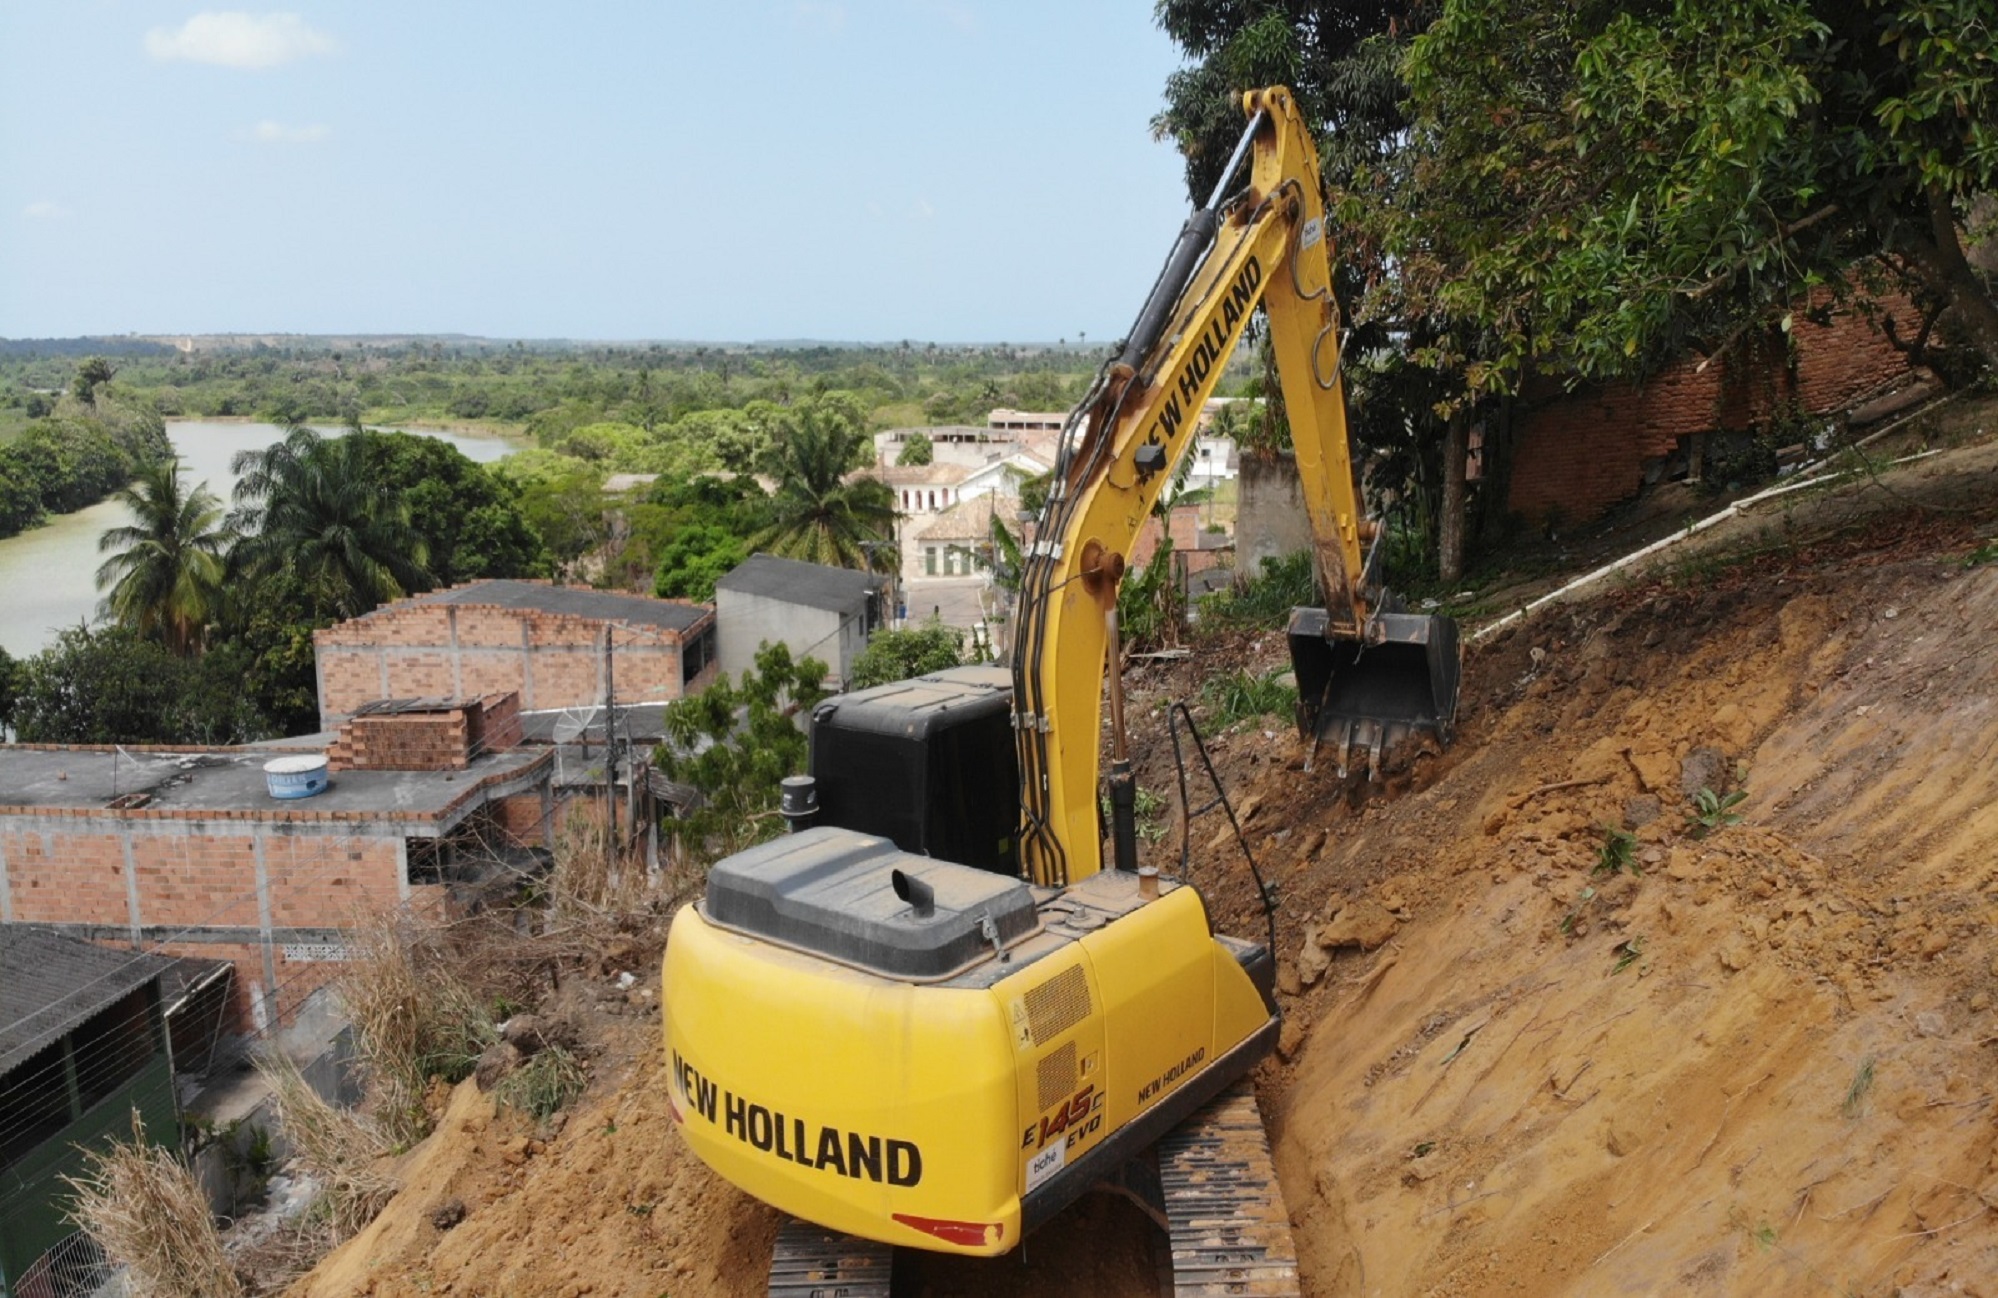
column 573, row 724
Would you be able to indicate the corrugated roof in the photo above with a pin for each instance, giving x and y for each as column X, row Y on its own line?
column 576, row 601
column 792, row 581
column 49, row 983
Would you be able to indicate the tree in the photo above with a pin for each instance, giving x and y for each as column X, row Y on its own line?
column 91, row 374
column 696, row 558
column 469, row 518
column 113, row 686
column 736, row 743
column 165, row 576
column 1344, row 65
column 1599, row 185
column 918, row 450
column 823, row 514
column 911, row 651
column 309, row 507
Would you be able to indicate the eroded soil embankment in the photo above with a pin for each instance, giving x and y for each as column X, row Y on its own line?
column 1762, row 1061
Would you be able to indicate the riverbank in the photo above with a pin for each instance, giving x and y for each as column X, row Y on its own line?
column 50, row 570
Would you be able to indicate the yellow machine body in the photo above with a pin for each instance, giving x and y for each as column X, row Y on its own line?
column 956, row 1115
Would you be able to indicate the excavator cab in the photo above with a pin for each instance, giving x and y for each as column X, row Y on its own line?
column 1379, row 693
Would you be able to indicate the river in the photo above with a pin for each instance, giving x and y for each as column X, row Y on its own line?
column 48, row 576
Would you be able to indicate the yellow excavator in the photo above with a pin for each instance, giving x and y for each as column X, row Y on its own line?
column 933, row 1015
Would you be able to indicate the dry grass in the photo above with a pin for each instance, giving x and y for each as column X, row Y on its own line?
column 338, row 1149
column 146, row 1211
column 591, row 876
column 415, row 1017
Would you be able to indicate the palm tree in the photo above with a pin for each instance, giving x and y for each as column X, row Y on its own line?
column 166, row 577
column 308, row 507
column 822, row 515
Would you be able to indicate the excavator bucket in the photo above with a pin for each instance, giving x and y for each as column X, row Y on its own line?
column 1376, row 692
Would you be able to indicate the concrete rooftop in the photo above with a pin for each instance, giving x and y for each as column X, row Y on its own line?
column 229, row 780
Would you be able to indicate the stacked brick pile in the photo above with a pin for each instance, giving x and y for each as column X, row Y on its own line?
column 444, row 738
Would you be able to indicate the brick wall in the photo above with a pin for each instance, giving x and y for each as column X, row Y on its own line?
column 551, row 660
column 1579, row 453
column 1185, row 525
column 272, row 890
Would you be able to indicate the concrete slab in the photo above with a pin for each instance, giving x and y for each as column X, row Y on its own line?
column 230, row 780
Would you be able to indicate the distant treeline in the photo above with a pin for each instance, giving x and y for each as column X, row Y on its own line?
column 552, row 390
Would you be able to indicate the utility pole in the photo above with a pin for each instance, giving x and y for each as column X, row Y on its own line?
column 610, row 742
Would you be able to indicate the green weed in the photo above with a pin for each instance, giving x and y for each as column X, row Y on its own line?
column 1862, row 1084
column 1581, row 900
column 1618, row 853
column 1243, row 695
column 1986, row 553
column 1264, row 600
column 544, row 1084
column 1712, row 811
column 1628, row 953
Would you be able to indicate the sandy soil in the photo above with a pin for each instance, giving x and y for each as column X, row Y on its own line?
column 1761, row 1060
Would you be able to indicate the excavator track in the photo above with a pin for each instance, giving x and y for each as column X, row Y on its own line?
column 813, row 1262
column 1225, row 1216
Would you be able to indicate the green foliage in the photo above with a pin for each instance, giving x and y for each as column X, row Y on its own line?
column 898, row 655
column 821, row 515
column 1628, row 953
column 469, row 519
column 313, row 509
column 113, row 686
column 75, row 457
column 1618, row 853
column 1985, row 553
column 1151, row 608
column 735, row 742
column 1597, row 183
column 693, row 530
column 1243, row 695
column 166, row 568
column 918, row 450
column 1265, row 600
column 698, row 556
column 1712, row 811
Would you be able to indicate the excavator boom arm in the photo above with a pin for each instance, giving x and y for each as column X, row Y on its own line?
column 1267, row 246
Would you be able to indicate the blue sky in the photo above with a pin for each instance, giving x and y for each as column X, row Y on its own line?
column 939, row 170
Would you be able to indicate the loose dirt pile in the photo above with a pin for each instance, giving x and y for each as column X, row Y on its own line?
column 1523, row 1055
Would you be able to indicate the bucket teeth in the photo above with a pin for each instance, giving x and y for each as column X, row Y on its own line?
column 1397, row 682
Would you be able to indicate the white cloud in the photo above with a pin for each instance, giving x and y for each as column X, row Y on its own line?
column 818, row 15
column 44, row 210
column 268, row 132
column 235, row 39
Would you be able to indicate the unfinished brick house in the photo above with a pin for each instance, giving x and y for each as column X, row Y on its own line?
column 554, row 646
column 187, row 852
column 1578, row 453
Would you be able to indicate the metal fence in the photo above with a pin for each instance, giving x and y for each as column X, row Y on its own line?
column 74, row 1268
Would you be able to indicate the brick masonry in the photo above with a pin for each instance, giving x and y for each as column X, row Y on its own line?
column 442, row 738
column 272, row 889
column 455, row 651
column 1579, row 453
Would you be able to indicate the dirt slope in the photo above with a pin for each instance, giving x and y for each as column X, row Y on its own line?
column 1765, row 1064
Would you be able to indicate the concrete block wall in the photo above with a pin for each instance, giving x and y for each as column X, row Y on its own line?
column 1579, row 453
column 551, row 660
